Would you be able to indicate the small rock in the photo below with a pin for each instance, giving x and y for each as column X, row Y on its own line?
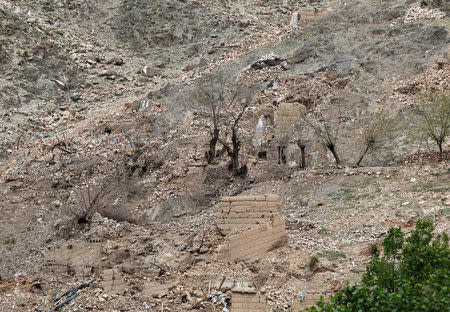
column 244, row 23
column 116, row 61
column 107, row 73
column 285, row 66
column 267, row 61
column 149, row 71
column 75, row 96
column 197, row 294
column 160, row 64
column 294, row 19
column 185, row 297
column 189, row 67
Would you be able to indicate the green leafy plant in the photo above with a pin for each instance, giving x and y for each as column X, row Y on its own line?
column 48, row 8
column 324, row 231
column 332, row 255
column 313, row 260
column 9, row 242
column 410, row 274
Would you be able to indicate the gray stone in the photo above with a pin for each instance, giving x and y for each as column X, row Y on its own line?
column 149, row 70
column 294, row 19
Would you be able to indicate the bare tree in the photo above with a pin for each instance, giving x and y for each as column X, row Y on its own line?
column 300, row 136
column 327, row 132
column 233, row 151
column 434, row 114
column 225, row 107
column 211, row 96
column 376, row 131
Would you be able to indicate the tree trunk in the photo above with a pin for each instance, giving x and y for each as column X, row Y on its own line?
column 333, row 151
column 235, row 152
column 441, row 151
column 281, row 155
column 303, row 164
column 362, row 156
column 212, row 146
column 302, row 147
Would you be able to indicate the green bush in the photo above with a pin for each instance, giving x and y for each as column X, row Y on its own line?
column 412, row 274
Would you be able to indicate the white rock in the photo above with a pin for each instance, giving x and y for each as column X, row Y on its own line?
column 294, row 19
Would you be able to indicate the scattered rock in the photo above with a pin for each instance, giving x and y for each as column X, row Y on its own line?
column 294, row 19
column 149, row 70
column 75, row 96
column 107, row 73
column 116, row 61
column 267, row 61
column 415, row 14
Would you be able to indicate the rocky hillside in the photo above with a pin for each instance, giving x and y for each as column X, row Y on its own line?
column 107, row 115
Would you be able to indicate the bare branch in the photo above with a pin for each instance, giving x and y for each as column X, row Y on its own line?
column 434, row 114
column 377, row 129
column 324, row 131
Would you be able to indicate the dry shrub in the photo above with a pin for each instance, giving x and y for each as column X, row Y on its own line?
column 313, row 262
column 92, row 198
column 106, row 197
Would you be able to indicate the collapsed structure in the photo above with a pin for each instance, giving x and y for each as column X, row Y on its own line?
column 254, row 226
column 287, row 117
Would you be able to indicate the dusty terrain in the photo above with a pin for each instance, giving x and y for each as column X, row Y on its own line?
column 102, row 147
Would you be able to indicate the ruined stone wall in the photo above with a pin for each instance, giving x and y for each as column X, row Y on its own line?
column 113, row 281
column 256, row 242
column 248, row 303
column 293, row 153
column 286, row 118
column 79, row 258
column 241, row 213
column 309, row 15
column 257, row 225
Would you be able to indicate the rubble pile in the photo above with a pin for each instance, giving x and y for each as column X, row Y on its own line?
column 418, row 13
column 161, row 265
column 435, row 78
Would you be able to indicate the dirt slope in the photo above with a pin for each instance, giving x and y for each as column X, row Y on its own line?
column 96, row 100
